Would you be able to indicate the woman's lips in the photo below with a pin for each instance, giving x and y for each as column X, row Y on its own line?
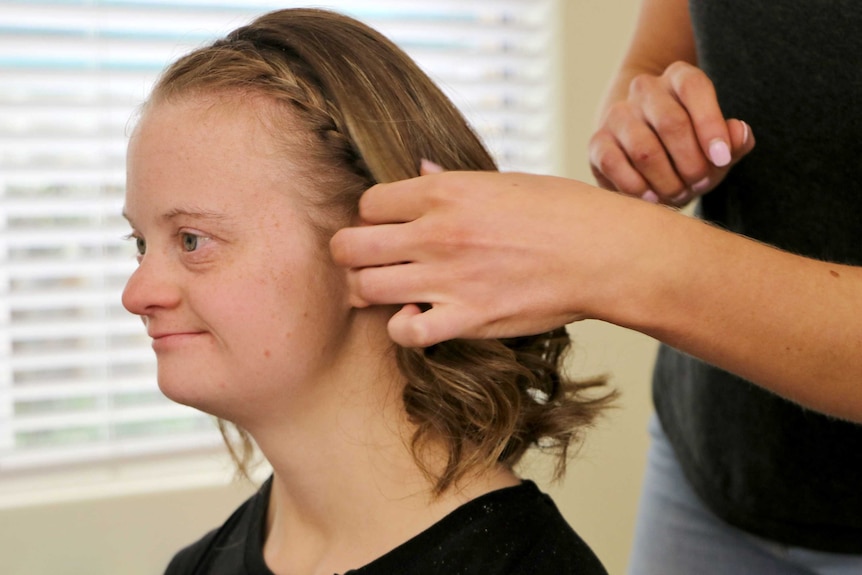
column 168, row 340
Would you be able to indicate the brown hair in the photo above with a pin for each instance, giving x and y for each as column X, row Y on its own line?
column 371, row 114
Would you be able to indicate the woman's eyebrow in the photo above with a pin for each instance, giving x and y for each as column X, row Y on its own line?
column 198, row 214
column 195, row 213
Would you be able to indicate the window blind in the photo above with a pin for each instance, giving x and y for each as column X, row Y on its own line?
column 77, row 375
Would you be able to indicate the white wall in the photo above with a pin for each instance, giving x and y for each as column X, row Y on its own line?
column 136, row 533
column 117, row 535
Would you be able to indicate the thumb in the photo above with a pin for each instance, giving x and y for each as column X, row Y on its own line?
column 741, row 143
column 741, row 139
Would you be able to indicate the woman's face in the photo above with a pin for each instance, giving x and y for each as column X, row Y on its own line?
column 242, row 302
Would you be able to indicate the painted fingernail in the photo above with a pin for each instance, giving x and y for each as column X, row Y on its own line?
column 701, row 186
column 719, row 153
column 650, row 196
column 429, row 167
column 680, row 198
column 745, row 132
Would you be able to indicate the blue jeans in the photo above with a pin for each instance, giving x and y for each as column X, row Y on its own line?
column 676, row 534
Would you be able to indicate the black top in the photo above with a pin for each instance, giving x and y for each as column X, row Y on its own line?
column 516, row 530
column 792, row 69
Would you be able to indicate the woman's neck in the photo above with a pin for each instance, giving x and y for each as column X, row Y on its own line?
column 337, row 518
column 346, row 488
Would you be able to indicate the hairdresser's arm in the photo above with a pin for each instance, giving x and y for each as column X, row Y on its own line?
column 510, row 254
column 662, row 135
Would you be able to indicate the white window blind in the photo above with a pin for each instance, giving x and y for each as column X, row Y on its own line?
column 77, row 375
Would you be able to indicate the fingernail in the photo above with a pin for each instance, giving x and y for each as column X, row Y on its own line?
column 745, row 132
column 701, row 186
column 719, row 153
column 429, row 167
column 681, row 197
column 650, row 196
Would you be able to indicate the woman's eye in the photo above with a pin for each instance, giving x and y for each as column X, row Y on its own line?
column 140, row 246
column 190, row 241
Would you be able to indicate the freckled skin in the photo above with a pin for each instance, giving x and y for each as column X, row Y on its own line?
column 254, row 283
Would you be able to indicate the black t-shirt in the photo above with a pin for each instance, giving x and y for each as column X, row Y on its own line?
column 516, row 530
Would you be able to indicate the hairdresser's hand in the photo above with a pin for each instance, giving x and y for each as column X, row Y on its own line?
column 668, row 141
column 495, row 255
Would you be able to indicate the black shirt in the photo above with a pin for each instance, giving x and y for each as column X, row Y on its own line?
column 516, row 530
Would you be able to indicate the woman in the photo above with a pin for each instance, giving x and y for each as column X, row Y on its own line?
column 247, row 158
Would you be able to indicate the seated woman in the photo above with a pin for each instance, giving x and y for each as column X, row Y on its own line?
column 248, row 156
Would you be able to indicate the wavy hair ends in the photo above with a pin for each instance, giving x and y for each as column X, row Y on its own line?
column 369, row 115
column 492, row 400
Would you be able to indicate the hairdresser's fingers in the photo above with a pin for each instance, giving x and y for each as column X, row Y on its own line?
column 671, row 123
column 650, row 134
column 696, row 93
column 741, row 138
column 647, row 153
column 379, row 245
column 611, row 167
column 395, row 202
column 377, row 286
column 648, row 125
column 741, row 143
column 427, row 167
column 440, row 280
column 402, row 201
column 409, row 327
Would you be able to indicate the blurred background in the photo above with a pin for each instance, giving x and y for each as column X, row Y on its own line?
column 100, row 474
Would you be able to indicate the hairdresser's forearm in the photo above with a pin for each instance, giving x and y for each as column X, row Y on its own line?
column 790, row 324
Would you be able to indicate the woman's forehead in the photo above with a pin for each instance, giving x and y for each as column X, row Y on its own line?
column 246, row 124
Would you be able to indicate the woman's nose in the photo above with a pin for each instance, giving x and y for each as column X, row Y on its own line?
column 150, row 288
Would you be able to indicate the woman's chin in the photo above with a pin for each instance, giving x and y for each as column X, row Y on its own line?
column 187, row 393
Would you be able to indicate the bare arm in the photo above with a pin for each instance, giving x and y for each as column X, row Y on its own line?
column 500, row 255
column 780, row 320
column 788, row 323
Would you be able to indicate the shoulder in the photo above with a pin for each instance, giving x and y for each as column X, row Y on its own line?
column 187, row 560
column 542, row 540
column 517, row 530
column 223, row 550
